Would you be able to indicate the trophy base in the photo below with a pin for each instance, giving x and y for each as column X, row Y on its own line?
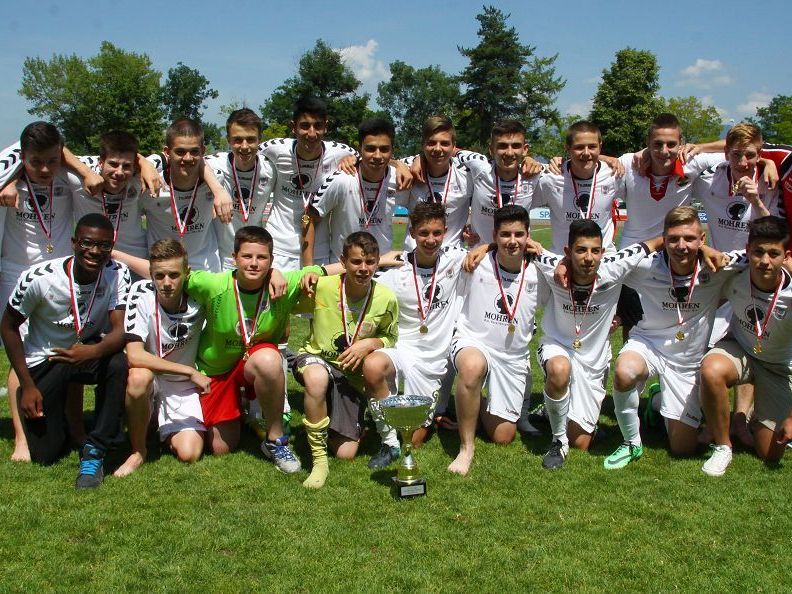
column 407, row 489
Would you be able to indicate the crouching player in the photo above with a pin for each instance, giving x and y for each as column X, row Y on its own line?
column 758, row 349
column 426, row 286
column 162, row 327
column 353, row 315
column 575, row 351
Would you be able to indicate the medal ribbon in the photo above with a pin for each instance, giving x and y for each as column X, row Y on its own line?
column 366, row 214
column 307, row 203
column 447, row 185
column 591, row 193
column 244, row 208
column 79, row 322
column 761, row 327
column 680, row 319
column 578, row 327
column 37, row 209
column 496, row 179
column 420, row 308
column 181, row 225
column 733, row 186
column 343, row 299
column 509, row 314
column 247, row 338
column 118, row 213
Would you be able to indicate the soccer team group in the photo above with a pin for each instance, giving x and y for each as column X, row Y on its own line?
column 168, row 282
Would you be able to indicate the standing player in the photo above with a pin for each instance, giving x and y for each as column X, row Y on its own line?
column 493, row 332
column 75, row 310
column 427, row 290
column 574, row 351
column 163, row 326
column 679, row 296
column 758, row 349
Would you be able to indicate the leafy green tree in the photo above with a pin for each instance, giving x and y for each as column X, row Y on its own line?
column 411, row 95
column 551, row 139
column 321, row 73
column 700, row 123
column 626, row 101
column 505, row 79
column 113, row 90
column 184, row 95
column 775, row 120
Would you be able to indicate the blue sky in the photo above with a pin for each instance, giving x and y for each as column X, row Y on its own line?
column 728, row 56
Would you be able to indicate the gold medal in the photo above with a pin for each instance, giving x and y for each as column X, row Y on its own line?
column 576, row 344
column 246, row 356
column 511, row 328
column 305, row 220
column 757, row 348
column 50, row 248
column 423, row 329
column 680, row 335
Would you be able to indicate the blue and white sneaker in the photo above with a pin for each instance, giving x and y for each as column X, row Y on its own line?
column 91, row 472
column 281, row 455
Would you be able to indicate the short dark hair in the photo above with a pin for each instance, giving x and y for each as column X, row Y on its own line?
column 664, row 120
column 512, row 213
column 579, row 127
column 363, row 240
column 39, row 136
column 311, row 105
column 167, row 249
column 374, row 127
column 252, row 234
column 437, row 123
column 94, row 220
column 770, row 228
column 247, row 118
column 183, row 127
column 117, row 141
column 503, row 127
column 583, row 228
column 427, row 211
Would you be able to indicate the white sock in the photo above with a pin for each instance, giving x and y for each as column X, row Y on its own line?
column 625, row 406
column 281, row 348
column 387, row 433
column 557, row 411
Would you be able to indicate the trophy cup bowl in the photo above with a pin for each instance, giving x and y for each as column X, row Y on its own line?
column 406, row 414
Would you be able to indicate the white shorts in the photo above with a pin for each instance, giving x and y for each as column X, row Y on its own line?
column 505, row 380
column 773, row 392
column 678, row 386
column 586, row 385
column 178, row 406
column 285, row 263
column 421, row 377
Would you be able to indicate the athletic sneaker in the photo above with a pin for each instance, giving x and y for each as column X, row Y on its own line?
column 281, row 454
column 555, row 456
column 719, row 461
column 623, row 455
column 385, row 457
column 91, row 472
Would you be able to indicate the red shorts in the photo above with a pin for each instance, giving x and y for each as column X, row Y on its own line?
column 223, row 401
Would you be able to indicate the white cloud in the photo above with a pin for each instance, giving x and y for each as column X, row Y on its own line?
column 707, row 101
column 579, row 108
column 754, row 100
column 705, row 74
column 361, row 59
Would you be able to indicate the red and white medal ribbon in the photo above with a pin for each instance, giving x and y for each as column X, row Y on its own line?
column 578, row 327
column 37, row 209
column 343, row 303
column 181, row 226
column 117, row 224
column 591, row 192
column 248, row 337
column 367, row 215
column 423, row 315
column 497, row 181
column 244, row 208
column 447, row 185
column 761, row 327
column 509, row 314
column 306, row 197
column 80, row 322
column 680, row 320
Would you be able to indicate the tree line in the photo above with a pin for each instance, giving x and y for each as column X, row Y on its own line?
column 504, row 78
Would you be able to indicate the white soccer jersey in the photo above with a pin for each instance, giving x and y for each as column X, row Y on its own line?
column 355, row 204
column 299, row 180
column 662, row 303
column 199, row 237
column 453, row 190
column 42, row 295
column 776, row 343
column 593, row 309
column 571, row 199
column 440, row 315
column 484, row 318
column 728, row 214
column 245, row 211
column 178, row 333
column 650, row 198
column 487, row 198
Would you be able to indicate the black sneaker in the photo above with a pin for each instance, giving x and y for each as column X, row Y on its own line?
column 91, row 472
column 385, row 457
column 555, row 456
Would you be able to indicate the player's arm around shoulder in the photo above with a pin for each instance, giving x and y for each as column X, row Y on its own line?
column 203, row 285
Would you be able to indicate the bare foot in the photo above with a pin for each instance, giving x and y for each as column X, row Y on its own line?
column 21, row 452
column 132, row 463
column 461, row 465
column 740, row 430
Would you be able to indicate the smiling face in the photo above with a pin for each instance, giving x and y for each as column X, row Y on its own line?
column 92, row 247
column 309, row 130
column 683, row 242
column 117, row 169
column 253, row 262
column 428, row 237
column 243, row 142
column 508, row 151
column 664, row 145
column 359, row 266
column 743, row 158
column 585, row 256
column 376, row 151
column 511, row 238
column 184, row 157
column 42, row 166
column 438, row 150
column 765, row 260
column 584, row 153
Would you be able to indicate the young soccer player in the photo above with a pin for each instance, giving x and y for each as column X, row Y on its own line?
column 366, row 201
column 353, row 316
column 162, row 327
column 69, row 303
column 758, row 349
column 574, row 351
column 238, row 346
column 427, row 290
column 679, row 297
column 493, row 332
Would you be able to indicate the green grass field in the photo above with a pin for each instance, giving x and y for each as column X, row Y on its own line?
column 236, row 524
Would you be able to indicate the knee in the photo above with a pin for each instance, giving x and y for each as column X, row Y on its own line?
column 713, row 373
column 346, row 450
column 220, row 448
column 138, row 382
column 624, row 376
column 266, row 363
column 558, row 371
column 189, row 453
column 375, row 367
